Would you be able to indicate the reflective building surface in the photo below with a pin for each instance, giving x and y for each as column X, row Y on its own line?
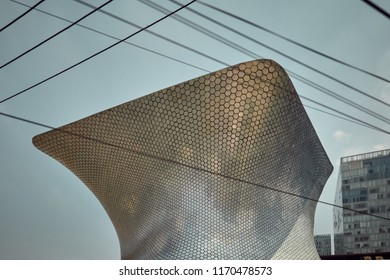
column 364, row 185
column 218, row 167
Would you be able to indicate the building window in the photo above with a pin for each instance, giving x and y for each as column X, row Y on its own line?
column 374, row 210
column 346, row 187
column 360, row 205
column 374, row 190
column 368, row 164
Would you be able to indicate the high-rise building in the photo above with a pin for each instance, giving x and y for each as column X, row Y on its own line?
column 364, row 186
column 338, row 239
column 323, row 244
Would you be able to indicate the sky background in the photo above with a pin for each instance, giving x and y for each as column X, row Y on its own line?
column 46, row 212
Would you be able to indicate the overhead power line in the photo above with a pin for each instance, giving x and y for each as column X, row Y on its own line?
column 253, row 55
column 114, row 38
column 54, row 35
column 344, row 114
column 336, row 116
column 154, row 33
column 339, row 97
column 98, row 53
column 285, row 55
column 294, row 42
column 207, row 32
column 377, row 7
column 239, row 48
column 22, row 15
column 171, row 161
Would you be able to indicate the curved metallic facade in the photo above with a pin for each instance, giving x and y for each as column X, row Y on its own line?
column 212, row 168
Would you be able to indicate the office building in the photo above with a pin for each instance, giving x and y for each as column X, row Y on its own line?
column 338, row 241
column 364, row 186
column 323, row 244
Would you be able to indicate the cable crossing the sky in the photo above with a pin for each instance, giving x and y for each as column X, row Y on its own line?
column 286, row 56
column 54, row 35
column 253, row 55
column 235, row 46
column 293, row 41
column 113, row 37
column 377, row 7
column 96, row 54
column 22, row 15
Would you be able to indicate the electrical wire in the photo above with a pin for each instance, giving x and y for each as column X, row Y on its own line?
column 237, row 47
column 377, row 7
column 22, row 15
column 171, row 161
column 55, row 35
column 339, row 97
column 154, row 33
column 293, row 41
column 113, row 37
column 253, row 55
column 201, row 29
column 97, row 53
column 336, row 116
column 286, row 55
column 246, row 51
column 344, row 114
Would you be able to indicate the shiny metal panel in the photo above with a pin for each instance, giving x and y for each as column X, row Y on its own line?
column 204, row 169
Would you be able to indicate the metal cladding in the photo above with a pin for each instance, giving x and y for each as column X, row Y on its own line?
column 218, row 167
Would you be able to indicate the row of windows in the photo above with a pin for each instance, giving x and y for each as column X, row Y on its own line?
column 368, row 245
column 375, row 233
column 360, row 251
column 372, row 208
column 374, row 195
column 367, row 220
column 355, row 199
column 349, row 217
column 359, row 162
column 382, row 184
column 363, row 174
column 379, row 209
column 358, row 188
column 371, row 240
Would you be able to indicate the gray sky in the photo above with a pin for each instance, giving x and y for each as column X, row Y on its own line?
column 46, row 212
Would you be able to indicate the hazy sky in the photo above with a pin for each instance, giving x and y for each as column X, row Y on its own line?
column 46, row 212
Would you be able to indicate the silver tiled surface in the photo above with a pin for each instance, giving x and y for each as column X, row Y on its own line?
column 195, row 171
